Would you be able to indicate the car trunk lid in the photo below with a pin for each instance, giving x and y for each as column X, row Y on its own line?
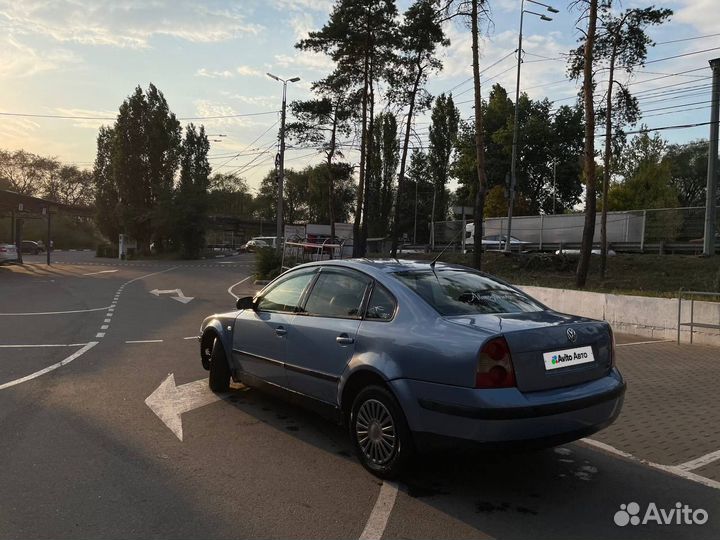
column 549, row 349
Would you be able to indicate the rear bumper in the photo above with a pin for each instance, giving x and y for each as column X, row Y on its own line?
column 508, row 417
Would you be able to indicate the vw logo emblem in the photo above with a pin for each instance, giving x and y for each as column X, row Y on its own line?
column 572, row 335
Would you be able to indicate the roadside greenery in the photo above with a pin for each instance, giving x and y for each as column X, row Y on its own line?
column 268, row 263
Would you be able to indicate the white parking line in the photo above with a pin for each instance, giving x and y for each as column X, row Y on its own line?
column 100, row 272
column 43, row 345
column 48, row 369
column 144, row 341
column 190, row 337
column 700, row 462
column 671, row 469
column 645, row 342
column 231, row 287
column 380, row 514
column 53, row 312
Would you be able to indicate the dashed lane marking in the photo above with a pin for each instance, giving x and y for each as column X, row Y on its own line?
column 144, row 341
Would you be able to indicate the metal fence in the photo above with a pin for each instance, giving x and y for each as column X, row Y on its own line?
column 657, row 230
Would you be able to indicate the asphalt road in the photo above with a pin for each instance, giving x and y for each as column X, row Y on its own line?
column 83, row 456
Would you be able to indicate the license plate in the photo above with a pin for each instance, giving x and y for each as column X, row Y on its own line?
column 568, row 357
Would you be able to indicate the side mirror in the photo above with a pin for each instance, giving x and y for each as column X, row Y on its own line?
column 245, row 302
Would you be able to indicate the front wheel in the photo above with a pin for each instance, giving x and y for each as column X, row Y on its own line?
column 219, row 378
column 380, row 433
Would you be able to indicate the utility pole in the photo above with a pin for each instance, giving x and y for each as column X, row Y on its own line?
column 281, row 158
column 416, row 204
column 710, row 198
column 554, row 183
column 513, row 162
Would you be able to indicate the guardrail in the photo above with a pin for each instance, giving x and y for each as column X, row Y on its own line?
column 692, row 324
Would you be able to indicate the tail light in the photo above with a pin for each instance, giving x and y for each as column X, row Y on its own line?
column 495, row 368
column 3, row 250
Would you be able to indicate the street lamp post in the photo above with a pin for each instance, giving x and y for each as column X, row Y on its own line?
column 281, row 157
column 513, row 162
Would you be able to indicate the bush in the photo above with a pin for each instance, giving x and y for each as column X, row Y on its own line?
column 268, row 263
column 106, row 250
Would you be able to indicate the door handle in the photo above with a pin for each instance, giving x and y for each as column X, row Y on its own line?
column 280, row 331
column 344, row 339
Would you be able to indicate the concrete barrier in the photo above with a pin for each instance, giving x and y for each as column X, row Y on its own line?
column 640, row 315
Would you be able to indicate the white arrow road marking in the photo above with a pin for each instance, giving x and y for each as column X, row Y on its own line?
column 180, row 296
column 100, row 272
column 169, row 402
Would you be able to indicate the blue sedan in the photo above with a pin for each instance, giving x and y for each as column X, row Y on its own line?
column 412, row 356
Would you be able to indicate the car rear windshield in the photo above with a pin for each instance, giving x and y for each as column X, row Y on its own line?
column 462, row 292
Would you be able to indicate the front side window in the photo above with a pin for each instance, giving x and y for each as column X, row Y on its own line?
column 286, row 294
column 462, row 292
column 337, row 294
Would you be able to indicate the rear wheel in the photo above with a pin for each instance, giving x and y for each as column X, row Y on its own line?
column 219, row 378
column 380, row 433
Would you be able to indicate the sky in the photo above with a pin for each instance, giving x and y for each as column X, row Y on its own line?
column 81, row 59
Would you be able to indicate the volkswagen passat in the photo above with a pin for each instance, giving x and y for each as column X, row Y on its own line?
column 409, row 354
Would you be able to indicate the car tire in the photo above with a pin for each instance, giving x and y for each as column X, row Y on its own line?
column 219, row 378
column 376, row 410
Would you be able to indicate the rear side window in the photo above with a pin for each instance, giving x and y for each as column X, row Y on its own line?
column 337, row 294
column 462, row 292
column 381, row 306
column 286, row 294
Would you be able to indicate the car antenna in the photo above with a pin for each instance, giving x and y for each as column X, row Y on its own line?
column 432, row 264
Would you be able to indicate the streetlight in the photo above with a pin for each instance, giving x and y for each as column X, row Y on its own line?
column 513, row 162
column 281, row 157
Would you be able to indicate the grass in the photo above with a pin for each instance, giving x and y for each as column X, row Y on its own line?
column 643, row 275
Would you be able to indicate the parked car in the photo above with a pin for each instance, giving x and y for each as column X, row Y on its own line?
column 8, row 253
column 260, row 242
column 410, row 355
column 28, row 246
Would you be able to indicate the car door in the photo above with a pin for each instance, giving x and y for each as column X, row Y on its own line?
column 260, row 334
column 323, row 338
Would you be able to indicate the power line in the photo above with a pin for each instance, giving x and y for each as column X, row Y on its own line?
column 686, row 39
column 249, row 145
column 663, row 128
column 72, row 117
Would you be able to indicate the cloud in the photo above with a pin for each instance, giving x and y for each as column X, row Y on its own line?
column 247, row 71
column 20, row 60
column 302, row 25
column 242, row 71
column 212, row 74
column 699, row 13
column 262, row 102
column 206, row 108
column 303, row 5
column 125, row 23
column 305, row 60
column 90, row 122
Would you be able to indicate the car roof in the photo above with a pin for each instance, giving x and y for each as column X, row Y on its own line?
column 385, row 266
